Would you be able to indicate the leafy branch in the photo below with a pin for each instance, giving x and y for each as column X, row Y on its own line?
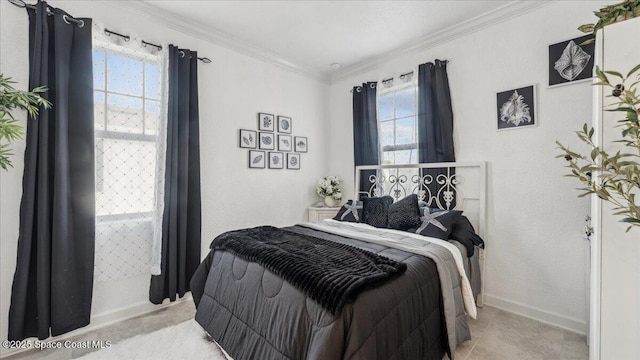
column 11, row 100
column 612, row 14
column 618, row 175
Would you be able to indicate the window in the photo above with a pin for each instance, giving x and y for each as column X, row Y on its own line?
column 398, row 121
column 128, row 99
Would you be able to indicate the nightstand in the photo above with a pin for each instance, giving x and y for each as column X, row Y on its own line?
column 321, row 213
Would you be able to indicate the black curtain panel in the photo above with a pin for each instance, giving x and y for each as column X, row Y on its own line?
column 53, row 282
column 181, row 222
column 435, row 118
column 365, row 131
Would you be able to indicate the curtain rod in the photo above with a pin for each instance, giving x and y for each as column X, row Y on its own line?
column 205, row 60
column 68, row 19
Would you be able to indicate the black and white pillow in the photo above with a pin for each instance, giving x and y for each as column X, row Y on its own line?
column 376, row 211
column 437, row 223
column 350, row 212
column 405, row 214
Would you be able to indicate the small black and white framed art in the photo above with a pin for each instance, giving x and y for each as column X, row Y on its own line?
column 284, row 143
column 300, row 144
column 570, row 61
column 267, row 141
column 266, row 122
column 256, row 159
column 516, row 108
column 276, row 160
column 248, row 138
column 284, row 124
column 293, row 161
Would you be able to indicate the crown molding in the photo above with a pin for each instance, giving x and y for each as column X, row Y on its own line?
column 498, row 15
column 214, row 36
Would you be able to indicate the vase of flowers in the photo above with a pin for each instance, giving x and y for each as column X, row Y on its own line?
column 328, row 189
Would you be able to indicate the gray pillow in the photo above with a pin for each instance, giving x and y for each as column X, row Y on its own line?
column 405, row 214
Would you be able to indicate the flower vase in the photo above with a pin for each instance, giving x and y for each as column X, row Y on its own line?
column 330, row 201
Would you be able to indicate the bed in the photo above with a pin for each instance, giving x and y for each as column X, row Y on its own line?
column 419, row 312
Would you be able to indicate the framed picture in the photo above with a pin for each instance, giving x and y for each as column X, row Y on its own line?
column 256, row 159
column 570, row 61
column 516, row 108
column 300, row 144
column 284, row 124
column 276, row 160
column 267, row 141
column 265, row 122
column 293, row 161
column 247, row 138
column 284, row 143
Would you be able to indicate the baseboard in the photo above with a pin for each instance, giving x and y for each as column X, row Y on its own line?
column 105, row 319
column 562, row 321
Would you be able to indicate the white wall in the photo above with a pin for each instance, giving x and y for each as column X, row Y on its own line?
column 232, row 90
column 535, row 251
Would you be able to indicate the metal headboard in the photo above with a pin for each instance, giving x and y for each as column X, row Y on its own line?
column 448, row 186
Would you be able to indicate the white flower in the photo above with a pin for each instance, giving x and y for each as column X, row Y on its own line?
column 328, row 186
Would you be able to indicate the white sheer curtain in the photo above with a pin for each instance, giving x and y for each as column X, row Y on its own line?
column 130, row 96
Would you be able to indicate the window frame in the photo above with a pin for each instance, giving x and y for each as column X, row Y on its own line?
column 107, row 134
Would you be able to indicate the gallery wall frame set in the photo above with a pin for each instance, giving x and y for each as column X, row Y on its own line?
column 570, row 61
column 273, row 145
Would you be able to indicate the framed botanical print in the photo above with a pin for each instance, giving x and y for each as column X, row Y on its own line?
column 267, row 141
column 300, row 144
column 293, row 161
column 247, row 139
column 284, row 124
column 256, row 159
column 266, row 122
column 284, row 143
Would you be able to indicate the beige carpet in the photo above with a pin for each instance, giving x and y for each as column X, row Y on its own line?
column 183, row 341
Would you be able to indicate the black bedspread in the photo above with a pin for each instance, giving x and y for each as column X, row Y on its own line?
column 330, row 273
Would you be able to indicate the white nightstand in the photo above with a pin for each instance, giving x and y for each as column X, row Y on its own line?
column 321, row 213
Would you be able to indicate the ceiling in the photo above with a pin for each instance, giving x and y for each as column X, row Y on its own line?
column 312, row 35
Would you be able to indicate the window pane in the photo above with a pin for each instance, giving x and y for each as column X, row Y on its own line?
column 406, row 102
column 403, row 157
column 124, row 114
column 385, row 107
column 128, row 177
column 99, row 109
column 386, row 133
column 405, row 131
column 387, row 158
column 152, row 81
column 98, row 69
column 151, row 117
column 124, row 75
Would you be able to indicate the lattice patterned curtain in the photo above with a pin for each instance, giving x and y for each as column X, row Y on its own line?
column 130, row 96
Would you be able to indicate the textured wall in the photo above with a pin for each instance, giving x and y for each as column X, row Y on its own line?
column 535, row 252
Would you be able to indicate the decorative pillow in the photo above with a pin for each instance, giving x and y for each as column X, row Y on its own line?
column 349, row 212
column 376, row 211
column 464, row 233
column 405, row 214
column 437, row 223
